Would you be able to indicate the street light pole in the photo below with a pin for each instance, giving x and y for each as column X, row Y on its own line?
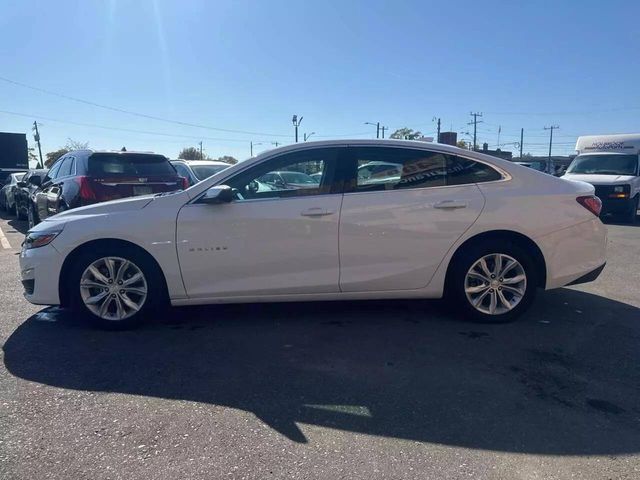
column 306, row 137
column 296, row 124
column 377, row 125
column 552, row 128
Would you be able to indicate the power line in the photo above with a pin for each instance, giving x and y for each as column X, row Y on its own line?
column 137, row 114
column 121, row 129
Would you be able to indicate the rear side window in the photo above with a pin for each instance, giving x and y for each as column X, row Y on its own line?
column 398, row 168
column 461, row 171
column 129, row 164
column 67, row 167
column 380, row 168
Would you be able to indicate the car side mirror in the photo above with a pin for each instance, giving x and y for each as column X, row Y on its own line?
column 218, row 194
column 35, row 180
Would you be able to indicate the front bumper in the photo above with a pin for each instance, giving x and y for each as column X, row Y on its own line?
column 40, row 272
column 616, row 205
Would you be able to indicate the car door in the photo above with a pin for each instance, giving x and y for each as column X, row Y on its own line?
column 55, row 192
column 398, row 223
column 48, row 183
column 266, row 241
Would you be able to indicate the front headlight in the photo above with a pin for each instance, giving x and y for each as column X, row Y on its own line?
column 39, row 239
column 618, row 188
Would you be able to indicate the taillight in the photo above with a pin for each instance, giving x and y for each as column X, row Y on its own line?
column 185, row 183
column 591, row 203
column 86, row 189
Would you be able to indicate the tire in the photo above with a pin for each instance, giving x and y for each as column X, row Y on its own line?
column 465, row 284
column 631, row 216
column 32, row 219
column 110, row 289
column 19, row 216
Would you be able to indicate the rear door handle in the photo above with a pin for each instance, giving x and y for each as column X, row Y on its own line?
column 315, row 212
column 450, row 204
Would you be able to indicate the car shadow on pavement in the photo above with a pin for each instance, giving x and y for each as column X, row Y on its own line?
column 563, row 380
column 19, row 225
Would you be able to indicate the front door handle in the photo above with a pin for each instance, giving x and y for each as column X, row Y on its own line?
column 450, row 204
column 315, row 212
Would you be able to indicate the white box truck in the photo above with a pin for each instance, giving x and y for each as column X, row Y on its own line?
column 611, row 164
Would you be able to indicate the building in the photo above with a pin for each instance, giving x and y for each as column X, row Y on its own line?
column 496, row 153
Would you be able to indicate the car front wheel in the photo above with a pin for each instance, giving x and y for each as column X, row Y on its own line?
column 495, row 283
column 115, row 290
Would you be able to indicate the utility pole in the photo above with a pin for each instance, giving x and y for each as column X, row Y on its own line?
column 499, row 132
column 296, row 124
column 475, row 124
column 201, row 158
column 36, row 137
column 276, row 143
column 438, row 137
column 252, row 144
column 382, row 129
column 551, row 128
column 521, row 141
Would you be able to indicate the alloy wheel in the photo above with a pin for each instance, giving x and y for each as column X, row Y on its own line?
column 495, row 284
column 113, row 288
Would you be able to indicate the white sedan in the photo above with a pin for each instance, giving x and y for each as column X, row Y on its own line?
column 482, row 231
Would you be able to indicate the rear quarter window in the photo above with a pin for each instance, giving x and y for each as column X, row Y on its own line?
column 129, row 165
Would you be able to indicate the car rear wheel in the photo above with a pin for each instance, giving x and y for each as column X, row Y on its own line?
column 115, row 290
column 494, row 283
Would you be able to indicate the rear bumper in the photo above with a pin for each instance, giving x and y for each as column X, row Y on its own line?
column 589, row 277
column 573, row 252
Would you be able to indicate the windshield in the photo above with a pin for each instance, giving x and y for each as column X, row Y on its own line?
column 205, row 171
column 297, row 177
column 605, row 164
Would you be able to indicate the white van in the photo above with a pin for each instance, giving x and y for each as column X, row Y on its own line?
column 611, row 164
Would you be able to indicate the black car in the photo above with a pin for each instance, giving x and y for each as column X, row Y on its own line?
column 85, row 177
column 25, row 195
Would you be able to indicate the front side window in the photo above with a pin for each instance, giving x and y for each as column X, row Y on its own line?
column 288, row 175
column 53, row 173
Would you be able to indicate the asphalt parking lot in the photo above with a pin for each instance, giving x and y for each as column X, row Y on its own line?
column 333, row 390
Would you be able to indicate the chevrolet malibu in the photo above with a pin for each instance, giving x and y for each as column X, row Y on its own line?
column 483, row 232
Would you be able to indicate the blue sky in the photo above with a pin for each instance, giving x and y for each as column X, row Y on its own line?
column 249, row 65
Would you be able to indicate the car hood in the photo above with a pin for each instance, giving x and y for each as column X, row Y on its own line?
column 595, row 179
column 113, row 206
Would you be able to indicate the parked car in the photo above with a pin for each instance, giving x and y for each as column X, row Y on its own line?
column 454, row 223
column 197, row 170
column 26, row 195
column 611, row 163
column 8, row 191
column 289, row 180
column 85, row 177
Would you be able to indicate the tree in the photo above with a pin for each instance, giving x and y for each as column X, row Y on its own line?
column 53, row 156
column 190, row 153
column 462, row 144
column 406, row 134
column 68, row 147
column 228, row 159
